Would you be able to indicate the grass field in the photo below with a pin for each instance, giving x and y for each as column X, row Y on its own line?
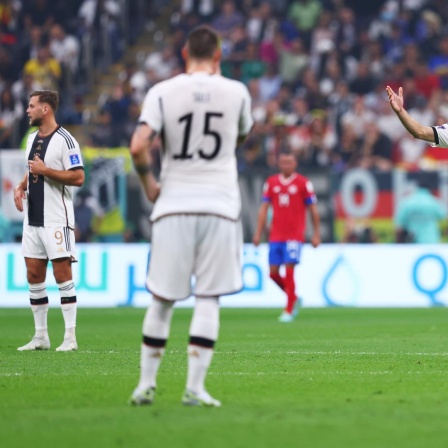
column 334, row 378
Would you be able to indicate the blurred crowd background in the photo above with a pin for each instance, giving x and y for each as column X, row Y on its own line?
column 316, row 70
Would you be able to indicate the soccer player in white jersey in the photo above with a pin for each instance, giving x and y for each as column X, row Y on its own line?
column 54, row 165
column 437, row 136
column 201, row 117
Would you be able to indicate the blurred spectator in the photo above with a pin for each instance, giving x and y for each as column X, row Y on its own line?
column 227, row 19
column 162, row 62
column 269, row 83
column 439, row 63
column 252, row 67
column 130, row 123
column 419, row 214
column 45, row 69
column 358, row 116
column 347, row 152
column 304, row 14
column 64, row 48
column 376, row 149
column 30, row 43
column 11, row 111
column 293, row 59
column 38, row 13
column 261, row 24
column 87, row 211
column 100, row 18
column 103, row 134
column 9, row 71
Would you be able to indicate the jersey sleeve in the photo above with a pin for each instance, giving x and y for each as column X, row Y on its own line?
column 309, row 196
column 267, row 192
column 246, row 121
column 71, row 154
column 151, row 113
column 440, row 136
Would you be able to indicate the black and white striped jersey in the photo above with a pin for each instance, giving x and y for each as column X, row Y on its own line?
column 50, row 203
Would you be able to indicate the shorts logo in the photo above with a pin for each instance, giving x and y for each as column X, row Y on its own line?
column 74, row 159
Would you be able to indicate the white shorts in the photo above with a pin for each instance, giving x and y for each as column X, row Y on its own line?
column 205, row 247
column 48, row 242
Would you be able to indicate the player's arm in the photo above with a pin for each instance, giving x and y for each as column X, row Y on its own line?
column 315, row 221
column 72, row 177
column 141, row 156
column 261, row 222
column 246, row 121
column 415, row 128
column 20, row 192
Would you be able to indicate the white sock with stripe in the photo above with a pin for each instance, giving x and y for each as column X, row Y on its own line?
column 68, row 307
column 39, row 306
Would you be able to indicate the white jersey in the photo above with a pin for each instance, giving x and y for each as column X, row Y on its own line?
column 199, row 117
column 440, row 136
column 50, row 203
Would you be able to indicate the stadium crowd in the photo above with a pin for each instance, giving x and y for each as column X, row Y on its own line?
column 317, row 72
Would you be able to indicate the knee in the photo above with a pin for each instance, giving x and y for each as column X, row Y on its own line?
column 34, row 277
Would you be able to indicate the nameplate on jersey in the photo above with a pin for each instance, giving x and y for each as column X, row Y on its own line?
column 74, row 159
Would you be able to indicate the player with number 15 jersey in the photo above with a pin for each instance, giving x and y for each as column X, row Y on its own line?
column 199, row 117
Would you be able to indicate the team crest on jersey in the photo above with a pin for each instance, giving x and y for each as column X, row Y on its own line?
column 74, row 159
column 277, row 189
column 292, row 189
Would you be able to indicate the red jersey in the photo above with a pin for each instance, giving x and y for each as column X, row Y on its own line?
column 289, row 199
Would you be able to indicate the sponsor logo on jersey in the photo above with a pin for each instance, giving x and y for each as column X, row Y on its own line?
column 292, row 189
column 74, row 159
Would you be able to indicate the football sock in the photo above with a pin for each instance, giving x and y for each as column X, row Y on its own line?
column 156, row 329
column 290, row 289
column 278, row 279
column 39, row 306
column 68, row 306
column 204, row 331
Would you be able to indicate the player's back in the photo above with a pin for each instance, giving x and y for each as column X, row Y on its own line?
column 201, row 117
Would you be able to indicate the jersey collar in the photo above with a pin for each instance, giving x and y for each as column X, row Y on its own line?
column 285, row 181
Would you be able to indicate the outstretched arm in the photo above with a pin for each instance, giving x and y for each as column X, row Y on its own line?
column 415, row 128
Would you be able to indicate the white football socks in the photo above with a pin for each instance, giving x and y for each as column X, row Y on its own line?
column 156, row 329
column 39, row 306
column 68, row 306
column 204, row 331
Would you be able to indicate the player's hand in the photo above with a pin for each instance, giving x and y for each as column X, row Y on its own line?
column 396, row 101
column 37, row 166
column 19, row 196
column 315, row 240
column 256, row 240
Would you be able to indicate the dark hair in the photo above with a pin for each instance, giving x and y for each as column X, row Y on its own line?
column 202, row 43
column 51, row 97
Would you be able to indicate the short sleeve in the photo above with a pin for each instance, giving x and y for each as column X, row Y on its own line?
column 71, row 153
column 440, row 136
column 267, row 192
column 151, row 113
column 246, row 121
column 309, row 194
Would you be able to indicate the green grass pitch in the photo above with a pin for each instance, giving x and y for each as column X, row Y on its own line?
column 334, row 378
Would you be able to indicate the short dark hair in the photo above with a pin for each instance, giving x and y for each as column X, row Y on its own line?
column 202, row 43
column 51, row 97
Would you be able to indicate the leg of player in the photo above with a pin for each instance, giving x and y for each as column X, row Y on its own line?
column 290, row 290
column 62, row 269
column 276, row 277
column 156, row 329
column 36, row 273
column 204, row 331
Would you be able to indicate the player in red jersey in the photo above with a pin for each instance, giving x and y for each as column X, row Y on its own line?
column 290, row 195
